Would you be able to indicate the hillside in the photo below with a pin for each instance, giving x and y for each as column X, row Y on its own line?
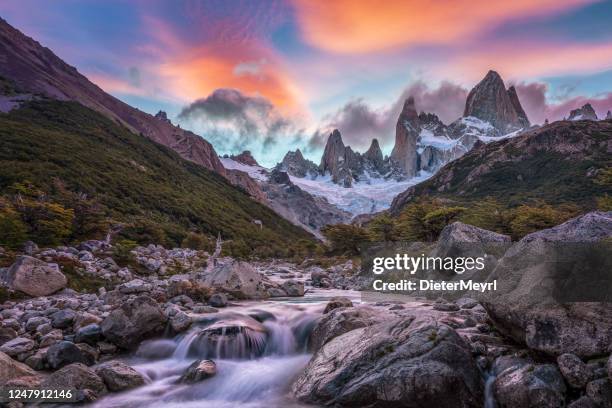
column 556, row 163
column 135, row 180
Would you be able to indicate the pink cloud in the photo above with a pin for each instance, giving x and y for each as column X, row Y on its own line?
column 533, row 99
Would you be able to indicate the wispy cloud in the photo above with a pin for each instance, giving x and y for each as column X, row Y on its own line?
column 347, row 26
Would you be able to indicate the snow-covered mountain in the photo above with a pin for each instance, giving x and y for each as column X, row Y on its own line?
column 366, row 183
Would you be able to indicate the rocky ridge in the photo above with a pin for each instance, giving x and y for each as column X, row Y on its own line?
column 423, row 143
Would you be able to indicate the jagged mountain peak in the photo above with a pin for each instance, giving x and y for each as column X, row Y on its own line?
column 409, row 111
column 245, row 158
column 491, row 102
column 522, row 116
column 586, row 112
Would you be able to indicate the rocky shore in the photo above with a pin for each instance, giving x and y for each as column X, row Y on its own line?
column 466, row 351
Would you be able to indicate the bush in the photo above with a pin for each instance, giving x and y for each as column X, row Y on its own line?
column 527, row 219
column 382, row 229
column 424, row 220
column 13, row 231
column 197, row 241
column 345, row 239
column 488, row 214
column 122, row 251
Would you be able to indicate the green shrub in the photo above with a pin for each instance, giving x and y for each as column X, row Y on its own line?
column 345, row 239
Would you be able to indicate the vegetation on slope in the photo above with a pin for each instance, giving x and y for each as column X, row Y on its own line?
column 424, row 220
column 69, row 174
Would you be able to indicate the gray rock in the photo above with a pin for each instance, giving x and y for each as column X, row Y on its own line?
column 78, row 377
column 90, row 354
column 90, row 334
column 11, row 369
column 583, row 402
column 119, row 376
column 35, row 277
column 600, row 391
column 63, row 353
column 198, row 371
column 293, row 288
column 17, row 346
column 218, row 300
column 136, row 320
column 30, row 248
column 524, row 308
column 238, row 279
column 38, row 360
column 34, row 322
column 51, row 338
column 135, row 286
column 574, row 370
column 6, row 334
column 340, row 321
column 205, row 309
column 406, row 362
column 336, row 302
column 529, row 385
column 180, row 322
column 446, row 307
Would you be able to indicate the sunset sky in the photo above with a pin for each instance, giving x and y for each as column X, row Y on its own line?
column 273, row 75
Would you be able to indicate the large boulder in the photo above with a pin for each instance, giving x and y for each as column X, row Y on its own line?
column 405, row 362
column 135, row 320
column 11, row 369
column 237, row 278
column 340, row 321
column 526, row 306
column 530, row 386
column 35, row 277
column 119, row 376
column 79, row 377
column 463, row 240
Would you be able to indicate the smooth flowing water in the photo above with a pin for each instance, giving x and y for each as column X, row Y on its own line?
column 259, row 349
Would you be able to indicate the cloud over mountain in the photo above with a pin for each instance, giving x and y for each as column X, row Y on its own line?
column 234, row 122
column 359, row 122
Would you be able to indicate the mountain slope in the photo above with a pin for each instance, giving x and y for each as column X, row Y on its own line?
column 37, row 70
column 134, row 178
column 556, row 163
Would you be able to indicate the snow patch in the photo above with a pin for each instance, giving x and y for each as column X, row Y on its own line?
column 364, row 197
column 256, row 172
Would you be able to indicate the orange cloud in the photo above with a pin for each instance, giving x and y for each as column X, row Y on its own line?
column 535, row 59
column 193, row 71
column 349, row 26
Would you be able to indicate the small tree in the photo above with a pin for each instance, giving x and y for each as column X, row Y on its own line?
column 424, row 220
column 604, row 178
column 488, row 214
column 198, row 241
column 345, row 239
column 528, row 219
column 382, row 228
column 436, row 220
column 13, row 232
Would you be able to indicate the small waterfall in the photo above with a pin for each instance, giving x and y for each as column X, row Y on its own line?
column 281, row 340
column 258, row 353
column 489, row 392
column 224, row 340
